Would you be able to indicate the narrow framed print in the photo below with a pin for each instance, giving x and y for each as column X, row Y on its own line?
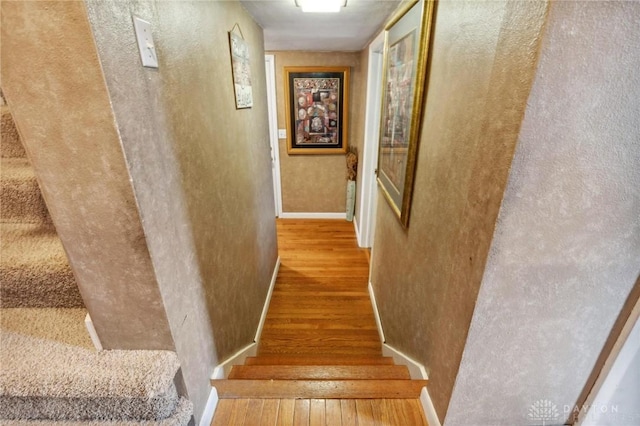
column 316, row 105
column 406, row 46
column 241, row 70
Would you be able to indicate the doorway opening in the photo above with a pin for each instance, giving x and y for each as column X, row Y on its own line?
column 273, row 131
column 367, row 200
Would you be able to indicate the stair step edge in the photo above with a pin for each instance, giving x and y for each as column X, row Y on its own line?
column 319, row 372
column 284, row 359
column 321, row 389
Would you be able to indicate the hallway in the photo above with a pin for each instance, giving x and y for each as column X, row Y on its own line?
column 319, row 359
column 320, row 304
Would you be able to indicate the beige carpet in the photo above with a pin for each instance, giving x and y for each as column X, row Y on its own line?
column 20, row 197
column 50, row 373
column 49, row 370
column 10, row 145
column 34, row 268
column 180, row 417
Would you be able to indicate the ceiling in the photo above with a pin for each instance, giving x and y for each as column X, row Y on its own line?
column 286, row 27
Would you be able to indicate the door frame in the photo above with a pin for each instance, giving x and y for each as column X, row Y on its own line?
column 367, row 202
column 270, row 68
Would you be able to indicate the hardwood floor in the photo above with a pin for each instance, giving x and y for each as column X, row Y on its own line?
column 316, row 412
column 319, row 360
column 320, row 304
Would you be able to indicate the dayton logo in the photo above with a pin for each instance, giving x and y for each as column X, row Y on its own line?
column 543, row 411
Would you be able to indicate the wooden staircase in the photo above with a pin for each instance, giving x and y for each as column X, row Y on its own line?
column 328, row 381
column 319, row 359
column 321, row 390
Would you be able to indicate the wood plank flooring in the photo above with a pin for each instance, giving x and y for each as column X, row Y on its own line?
column 320, row 303
column 319, row 360
column 312, row 412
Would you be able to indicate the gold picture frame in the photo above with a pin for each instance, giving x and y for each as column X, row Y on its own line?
column 406, row 57
column 316, row 108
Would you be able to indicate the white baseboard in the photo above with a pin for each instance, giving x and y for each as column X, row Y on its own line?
column 376, row 314
column 416, row 370
column 355, row 226
column 222, row 372
column 428, row 408
column 265, row 308
column 92, row 333
column 210, row 408
column 303, row 215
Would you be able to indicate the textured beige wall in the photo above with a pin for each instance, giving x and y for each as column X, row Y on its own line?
column 317, row 183
column 426, row 278
column 566, row 250
column 201, row 170
column 160, row 188
column 52, row 79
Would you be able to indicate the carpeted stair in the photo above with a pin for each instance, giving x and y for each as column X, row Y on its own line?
column 59, row 376
column 50, row 372
column 34, row 267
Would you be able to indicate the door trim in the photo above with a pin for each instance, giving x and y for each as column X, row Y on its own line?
column 369, row 191
column 270, row 68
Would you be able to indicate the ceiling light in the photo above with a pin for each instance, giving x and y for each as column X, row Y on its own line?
column 321, row 6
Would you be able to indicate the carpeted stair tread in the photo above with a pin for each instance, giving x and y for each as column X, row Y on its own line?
column 20, row 196
column 10, row 145
column 34, row 268
column 64, row 325
column 44, row 376
column 180, row 417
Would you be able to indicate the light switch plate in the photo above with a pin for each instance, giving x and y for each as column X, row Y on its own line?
column 282, row 133
column 145, row 42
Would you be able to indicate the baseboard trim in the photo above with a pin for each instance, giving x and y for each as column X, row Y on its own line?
column 222, row 370
column 310, row 215
column 88, row 322
column 267, row 301
column 376, row 314
column 355, row 226
column 416, row 370
column 428, row 408
column 210, row 408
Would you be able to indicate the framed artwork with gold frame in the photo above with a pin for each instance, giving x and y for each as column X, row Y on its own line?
column 406, row 54
column 316, row 108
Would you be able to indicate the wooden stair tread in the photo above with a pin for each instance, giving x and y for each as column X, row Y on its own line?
column 320, row 372
column 318, row 360
column 323, row 389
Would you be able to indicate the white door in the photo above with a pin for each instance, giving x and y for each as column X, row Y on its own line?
column 273, row 130
column 369, row 195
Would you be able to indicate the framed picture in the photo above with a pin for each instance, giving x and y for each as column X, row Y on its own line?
column 317, row 102
column 241, row 70
column 406, row 45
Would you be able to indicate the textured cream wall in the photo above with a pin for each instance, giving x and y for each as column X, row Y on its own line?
column 317, row 183
column 160, row 189
column 426, row 278
column 200, row 168
column 52, row 79
column 566, row 250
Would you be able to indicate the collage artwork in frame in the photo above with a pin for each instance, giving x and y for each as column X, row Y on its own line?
column 316, row 109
